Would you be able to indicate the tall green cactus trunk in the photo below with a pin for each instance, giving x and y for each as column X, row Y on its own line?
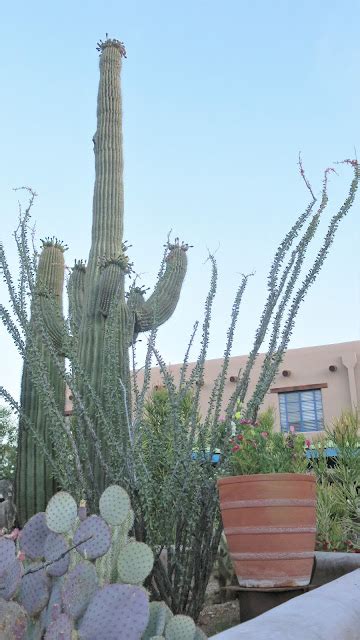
column 103, row 322
column 104, row 282
column 34, row 483
column 105, row 272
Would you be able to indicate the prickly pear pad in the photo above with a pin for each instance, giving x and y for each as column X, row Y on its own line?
column 117, row 612
column 160, row 614
column 61, row 512
column 62, row 628
column 180, row 628
column 135, row 562
column 55, row 546
column 32, row 537
column 34, row 591
column 13, row 620
column 96, row 536
column 10, row 579
column 78, row 588
column 114, row 505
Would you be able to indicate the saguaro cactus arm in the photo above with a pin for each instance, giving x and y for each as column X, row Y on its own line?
column 35, row 482
column 49, row 290
column 76, row 289
column 111, row 283
column 160, row 306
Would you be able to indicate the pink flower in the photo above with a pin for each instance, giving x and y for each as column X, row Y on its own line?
column 264, row 434
column 13, row 535
column 21, row 556
column 235, row 448
column 308, row 443
column 240, row 437
column 292, row 429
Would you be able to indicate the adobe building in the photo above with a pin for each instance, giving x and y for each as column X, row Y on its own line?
column 313, row 386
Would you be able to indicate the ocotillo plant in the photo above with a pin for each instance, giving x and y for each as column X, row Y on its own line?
column 35, row 483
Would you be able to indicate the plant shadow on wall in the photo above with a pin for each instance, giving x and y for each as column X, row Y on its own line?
column 111, row 436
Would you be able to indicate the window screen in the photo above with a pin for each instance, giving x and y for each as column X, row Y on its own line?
column 301, row 409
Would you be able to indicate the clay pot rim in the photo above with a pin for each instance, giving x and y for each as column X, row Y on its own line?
column 269, row 477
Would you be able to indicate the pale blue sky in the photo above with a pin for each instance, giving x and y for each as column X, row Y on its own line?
column 218, row 100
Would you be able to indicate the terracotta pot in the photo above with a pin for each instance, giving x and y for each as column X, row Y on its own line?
column 270, row 526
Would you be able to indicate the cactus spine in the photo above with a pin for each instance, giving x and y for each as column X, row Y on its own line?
column 35, row 483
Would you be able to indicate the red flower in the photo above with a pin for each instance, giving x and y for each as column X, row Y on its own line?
column 308, row 443
column 240, row 437
column 235, row 448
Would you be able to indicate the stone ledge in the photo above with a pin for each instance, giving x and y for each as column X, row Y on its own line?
column 330, row 612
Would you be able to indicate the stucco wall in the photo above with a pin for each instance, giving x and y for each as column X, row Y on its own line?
column 307, row 366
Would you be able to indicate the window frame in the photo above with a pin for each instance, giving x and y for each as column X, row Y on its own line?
column 317, row 408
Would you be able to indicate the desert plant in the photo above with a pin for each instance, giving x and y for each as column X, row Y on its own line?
column 79, row 576
column 338, row 487
column 191, row 484
column 97, row 292
column 100, row 292
column 35, row 482
column 257, row 448
column 8, row 438
column 103, row 441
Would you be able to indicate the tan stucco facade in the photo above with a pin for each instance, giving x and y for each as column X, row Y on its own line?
column 333, row 368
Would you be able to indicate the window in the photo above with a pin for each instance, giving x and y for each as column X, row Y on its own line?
column 301, row 409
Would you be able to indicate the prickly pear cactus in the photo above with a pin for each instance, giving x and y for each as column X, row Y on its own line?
column 13, row 620
column 61, row 512
column 79, row 577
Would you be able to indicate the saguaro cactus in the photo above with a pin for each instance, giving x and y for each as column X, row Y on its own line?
column 99, row 309
column 101, row 287
column 35, row 483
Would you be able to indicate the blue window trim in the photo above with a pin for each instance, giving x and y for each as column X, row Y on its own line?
column 317, row 409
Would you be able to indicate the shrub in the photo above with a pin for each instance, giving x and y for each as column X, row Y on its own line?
column 338, row 492
column 8, row 441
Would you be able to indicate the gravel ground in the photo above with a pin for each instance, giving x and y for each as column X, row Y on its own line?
column 217, row 616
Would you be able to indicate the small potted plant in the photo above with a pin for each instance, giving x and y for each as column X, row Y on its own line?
column 268, row 505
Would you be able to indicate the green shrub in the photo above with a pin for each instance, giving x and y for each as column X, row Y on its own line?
column 8, row 441
column 338, row 492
